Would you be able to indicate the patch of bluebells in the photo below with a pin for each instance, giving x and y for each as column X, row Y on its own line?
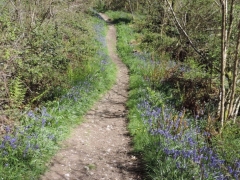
column 99, row 29
column 100, row 38
column 75, row 94
column 29, row 140
column 142, row 56
column 146, row 59
column 104, row 60
column 23, row 142
column 150, row 66
column 183, row 69
column 185, row 144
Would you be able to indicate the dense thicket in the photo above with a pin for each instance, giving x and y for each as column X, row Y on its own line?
column 42, row 42
column 191, row 34
column 53, row 68
column 183, row 104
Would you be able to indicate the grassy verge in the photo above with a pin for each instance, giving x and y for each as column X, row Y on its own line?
column 26, row 148
column 173, row 144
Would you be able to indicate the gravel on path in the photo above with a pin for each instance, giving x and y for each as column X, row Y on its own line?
column 100, row 148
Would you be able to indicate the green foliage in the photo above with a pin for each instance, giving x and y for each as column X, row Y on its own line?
column 100, row 5
column 159, row 81
column 26, row 149
column 118, row 17
column 194, row 70
column 157, row 43
column 103, row 5
column 17, row 92
column 42, row 62
column 41, row 49
column 228, row 143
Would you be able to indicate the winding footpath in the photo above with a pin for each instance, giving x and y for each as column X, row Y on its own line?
column 100, row 148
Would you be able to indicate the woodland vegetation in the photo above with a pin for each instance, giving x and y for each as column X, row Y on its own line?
column 201, row 34
column 184, row 97
column 53, row 66
column 39, row 51
column 187, row 53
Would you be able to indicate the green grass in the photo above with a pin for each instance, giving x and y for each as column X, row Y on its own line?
column 26, row 150
column 157, row 165
column 138, row 88
column 168, row 152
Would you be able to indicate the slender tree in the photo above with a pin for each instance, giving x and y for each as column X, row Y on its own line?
column 223, row 59
column 235, row 76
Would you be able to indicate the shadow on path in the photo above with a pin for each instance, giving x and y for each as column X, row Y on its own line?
column 101, row 147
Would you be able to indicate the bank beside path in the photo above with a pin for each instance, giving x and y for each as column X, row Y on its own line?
column 100, row 148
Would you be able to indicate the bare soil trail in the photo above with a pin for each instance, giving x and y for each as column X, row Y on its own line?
column 100, row 148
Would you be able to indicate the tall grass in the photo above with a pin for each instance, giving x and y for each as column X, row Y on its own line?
column 26, row 148
column 173, row 144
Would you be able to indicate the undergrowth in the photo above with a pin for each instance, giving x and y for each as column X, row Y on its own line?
column 26, row 148
column 173, row 142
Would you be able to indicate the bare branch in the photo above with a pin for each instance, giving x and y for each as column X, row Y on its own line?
column 230, row 19
column 184, row 32
column 217, row 3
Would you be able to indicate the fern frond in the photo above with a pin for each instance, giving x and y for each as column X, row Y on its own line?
column 40, row 96
column 17, row 92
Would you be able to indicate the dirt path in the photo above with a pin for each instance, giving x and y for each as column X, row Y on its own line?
column 99, row 149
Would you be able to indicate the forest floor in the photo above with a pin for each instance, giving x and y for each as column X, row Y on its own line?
column 100, row 148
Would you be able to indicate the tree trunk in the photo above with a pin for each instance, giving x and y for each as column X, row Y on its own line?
column 235, row 74
column 236, row 110
column 223, row 59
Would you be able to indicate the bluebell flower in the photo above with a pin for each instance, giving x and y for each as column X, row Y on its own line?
column 36, row 146
column 13, row 142
column 4, row 153
column 7, row 129
column 178, row 165
column 43, row 122
column 31, row 114
column 2, row 146
column 51, row 137
column 44, row 112
column 6, row 138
